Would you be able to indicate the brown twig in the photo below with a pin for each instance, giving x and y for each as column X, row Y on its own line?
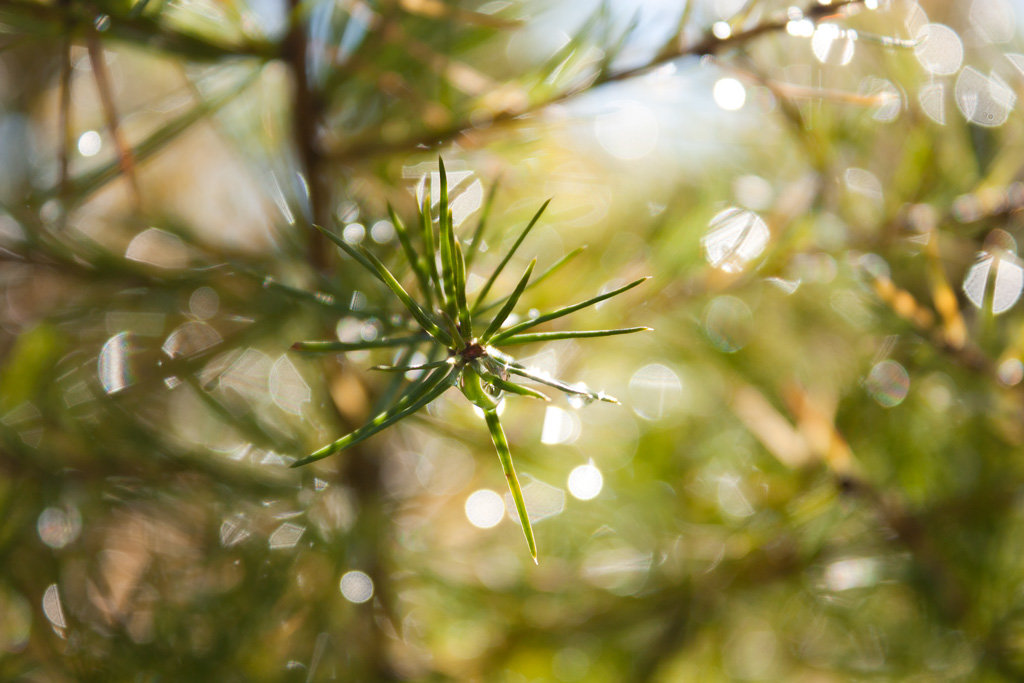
column 306, row 112
column 126, row 159
column 361, row 471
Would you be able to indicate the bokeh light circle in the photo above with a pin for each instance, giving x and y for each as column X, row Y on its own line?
column 356, row 586
column 888, row 383
column 485, row 508
column 585, row 482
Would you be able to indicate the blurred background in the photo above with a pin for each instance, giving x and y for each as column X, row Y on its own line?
column 815, row 471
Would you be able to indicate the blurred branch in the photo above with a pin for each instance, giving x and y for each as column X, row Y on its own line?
column 361, row 471
column 437, row 9
column 80, row 187
column 708, row 45
column 905, row 305
column 943, row 588
column 40, row 19
column 306, row 112
column 76, row 463
column 64, row 122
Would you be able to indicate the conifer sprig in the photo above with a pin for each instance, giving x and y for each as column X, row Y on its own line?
column 471, row 362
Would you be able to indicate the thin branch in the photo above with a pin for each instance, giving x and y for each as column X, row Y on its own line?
column 64, row 123
column 126, row 159
column 306, row 108
column 152, row 32
column 92, row 180
column 708, row 45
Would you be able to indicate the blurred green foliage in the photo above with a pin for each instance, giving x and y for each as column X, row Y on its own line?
column 812, row 477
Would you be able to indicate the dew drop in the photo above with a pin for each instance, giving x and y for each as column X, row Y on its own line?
column 579, row 401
